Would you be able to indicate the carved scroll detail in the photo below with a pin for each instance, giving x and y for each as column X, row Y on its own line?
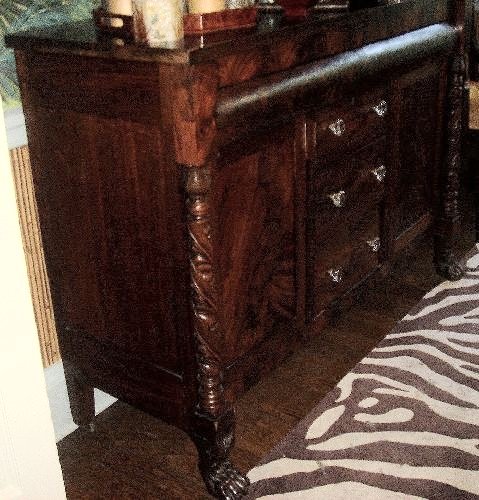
column 449, row 216
column 454, row 150
column 211, row 400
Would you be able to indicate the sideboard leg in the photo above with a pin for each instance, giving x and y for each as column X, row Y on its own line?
column 449, row 267
column 214, row 419
column 447, row 222
column 214, row 438
column 81, row 396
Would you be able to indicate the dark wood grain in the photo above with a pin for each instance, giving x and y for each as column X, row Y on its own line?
column 314, row 38
column 158, row 461
column 419, row 109
column 218, row 21
column 254, row 203
column 194, row 200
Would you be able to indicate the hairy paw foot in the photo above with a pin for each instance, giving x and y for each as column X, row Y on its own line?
column 226, row 482
column 450, row 270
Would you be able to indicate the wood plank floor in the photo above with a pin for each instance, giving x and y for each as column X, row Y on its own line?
column 134, row 456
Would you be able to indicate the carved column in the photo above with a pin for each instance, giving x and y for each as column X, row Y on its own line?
column 448, row 218
column 213, row 431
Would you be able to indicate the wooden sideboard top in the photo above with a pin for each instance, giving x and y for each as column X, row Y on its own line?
column 330, row 34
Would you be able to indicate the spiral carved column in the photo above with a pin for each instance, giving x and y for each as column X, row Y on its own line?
column 446, row 263
column 213, row 431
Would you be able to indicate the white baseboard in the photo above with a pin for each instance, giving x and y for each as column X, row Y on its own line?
column 59, row 405
column 15, row 125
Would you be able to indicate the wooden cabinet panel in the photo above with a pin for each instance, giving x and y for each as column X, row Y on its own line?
column 255, row 203
column 418, row 151
column 113, row 256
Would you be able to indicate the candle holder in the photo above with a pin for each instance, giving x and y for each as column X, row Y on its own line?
column 193, row 24
column 106, row 25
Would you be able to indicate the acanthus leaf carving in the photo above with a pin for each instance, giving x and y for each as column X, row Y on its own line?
column 211, row 401
column 447, row 264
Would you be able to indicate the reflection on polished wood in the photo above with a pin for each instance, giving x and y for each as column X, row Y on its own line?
column 158, row 461
column 205, row 208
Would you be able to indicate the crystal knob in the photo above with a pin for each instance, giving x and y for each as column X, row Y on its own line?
column 379, row 173
column 336, row 275
column 338, row 127
column 338, row 199
column 381, row 108
column 375, row 243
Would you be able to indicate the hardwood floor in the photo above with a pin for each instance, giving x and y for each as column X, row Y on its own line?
column 134, row 456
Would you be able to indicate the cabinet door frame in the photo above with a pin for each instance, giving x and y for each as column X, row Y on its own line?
column 395, row 238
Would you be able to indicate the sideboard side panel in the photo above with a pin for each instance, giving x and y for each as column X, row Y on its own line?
column 110, row 204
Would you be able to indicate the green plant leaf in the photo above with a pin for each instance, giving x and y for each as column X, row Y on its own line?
column 18, row 15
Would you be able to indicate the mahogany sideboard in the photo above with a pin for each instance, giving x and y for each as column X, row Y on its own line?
column 204, row 206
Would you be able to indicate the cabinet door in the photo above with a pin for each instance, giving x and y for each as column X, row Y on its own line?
column 254, row 189
column 416, row 140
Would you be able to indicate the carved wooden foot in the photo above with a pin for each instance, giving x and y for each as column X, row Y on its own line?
column 449, row 268
column 224, row 481
column 214, row 439
column 81, row 396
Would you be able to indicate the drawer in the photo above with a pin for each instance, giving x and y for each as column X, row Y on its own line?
column 356, row 180
column 343, row 255
column 348, row 128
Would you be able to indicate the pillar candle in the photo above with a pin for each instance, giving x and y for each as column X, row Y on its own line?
column 161, row 20
column 123, row 7
column 202, row 6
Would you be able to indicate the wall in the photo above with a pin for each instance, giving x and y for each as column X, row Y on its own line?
column 32, row 245
column 29, row 466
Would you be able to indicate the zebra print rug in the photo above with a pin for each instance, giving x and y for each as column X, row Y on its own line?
column 404, row 423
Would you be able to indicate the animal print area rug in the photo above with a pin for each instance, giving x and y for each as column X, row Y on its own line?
column 404, row 423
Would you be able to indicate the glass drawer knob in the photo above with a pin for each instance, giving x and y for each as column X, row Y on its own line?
column 338, row 199
column 379, row 173
column 336, row 275
column 338, row 127
column 375, row 244
column 381, row 108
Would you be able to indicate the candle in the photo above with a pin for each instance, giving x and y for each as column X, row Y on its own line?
column 202, row 6
column 159, row 21
column 123, row 7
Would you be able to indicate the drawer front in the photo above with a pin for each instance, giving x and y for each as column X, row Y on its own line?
column 342, row 256
column 346, row 129
column 354, row 181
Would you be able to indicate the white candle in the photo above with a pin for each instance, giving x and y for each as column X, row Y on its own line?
column 203, row 6
column 162, row 20
column 123, row 7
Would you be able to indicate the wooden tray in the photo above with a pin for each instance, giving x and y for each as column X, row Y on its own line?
column 228, row 19
column 193, row 24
